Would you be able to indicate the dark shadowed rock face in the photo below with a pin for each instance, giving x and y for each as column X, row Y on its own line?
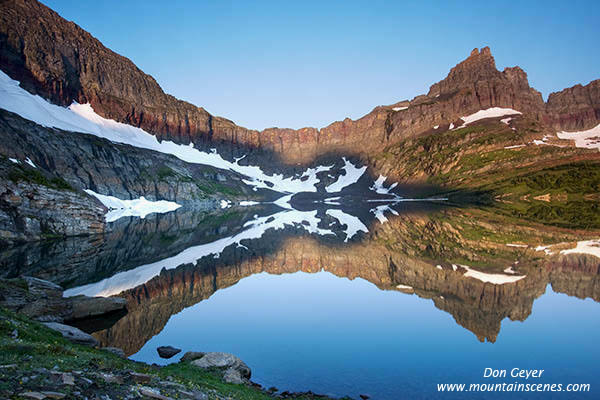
column 167, row 351
column 60, row 61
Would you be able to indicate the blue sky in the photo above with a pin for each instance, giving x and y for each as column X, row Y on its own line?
column 309, row 63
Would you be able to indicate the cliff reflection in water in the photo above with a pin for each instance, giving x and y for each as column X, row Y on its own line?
column 476, row 265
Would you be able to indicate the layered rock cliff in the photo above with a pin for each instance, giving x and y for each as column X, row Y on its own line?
column 126, row 172
column 34, row 205
column 58, row 60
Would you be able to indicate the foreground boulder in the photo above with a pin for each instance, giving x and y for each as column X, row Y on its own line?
column 236, row 371
column 167, row 351
column 73, row 334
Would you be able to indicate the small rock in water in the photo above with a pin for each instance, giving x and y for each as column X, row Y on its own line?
column 167, row 351
column 364, row 396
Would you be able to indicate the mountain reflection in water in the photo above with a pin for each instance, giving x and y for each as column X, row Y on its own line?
column 476, row 265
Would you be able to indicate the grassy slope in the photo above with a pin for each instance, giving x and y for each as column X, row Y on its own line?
column 544, row 183
column 38, row 346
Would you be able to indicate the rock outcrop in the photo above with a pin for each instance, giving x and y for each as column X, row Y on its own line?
column 34, row 205
column 43, row 301
column 73, row 334
column 167, row 351
column 235, row 370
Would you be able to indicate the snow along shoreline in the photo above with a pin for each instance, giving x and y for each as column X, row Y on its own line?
column 141, row 207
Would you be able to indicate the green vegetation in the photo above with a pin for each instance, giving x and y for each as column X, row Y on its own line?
column 206, row 187
column 32, row 175
column 39, row 347
column 573, row 179
column 570, row 214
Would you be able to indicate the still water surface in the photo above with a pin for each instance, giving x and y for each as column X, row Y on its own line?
column 317, row 331
column 381, row 301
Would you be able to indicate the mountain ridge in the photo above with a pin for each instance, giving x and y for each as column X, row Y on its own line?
column 60, row 61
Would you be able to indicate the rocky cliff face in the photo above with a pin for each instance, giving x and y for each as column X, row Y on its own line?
column 575, row 108
column 126, row 172
column 58, row 60
column 34, row 206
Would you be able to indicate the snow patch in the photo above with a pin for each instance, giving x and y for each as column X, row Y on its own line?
column 493, row 112
column 332, row 201
column 379, row 188
column 28, row 161
column 591, row 247
column 404, row 287
column 380, row 212
column 225, row 204
column 589, row 139
column 496, row 279
column 132, row 208
column 353, row 224
column 516, row 245
column 399, row 108
column 435, row 127
column 351, row 176
column 515, row 146
column 14, row 161
column 248, row 203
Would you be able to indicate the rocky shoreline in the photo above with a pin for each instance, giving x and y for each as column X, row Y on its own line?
column 41, row 357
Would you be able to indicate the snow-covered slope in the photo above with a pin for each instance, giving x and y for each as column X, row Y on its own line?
column 82, row 118
column 588, row 139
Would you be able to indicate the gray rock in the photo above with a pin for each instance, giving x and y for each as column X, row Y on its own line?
column 73, row 334
column 233, row 376
column 67, row 379
column 54, row 395
column 167, row 351
column 115, row 350
column 223, row 360
column 152, row 393
column 138, row 377
column 33, row 395
column 85, row 307
column 192, row 355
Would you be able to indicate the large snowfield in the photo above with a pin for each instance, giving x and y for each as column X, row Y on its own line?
column 82, row 118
